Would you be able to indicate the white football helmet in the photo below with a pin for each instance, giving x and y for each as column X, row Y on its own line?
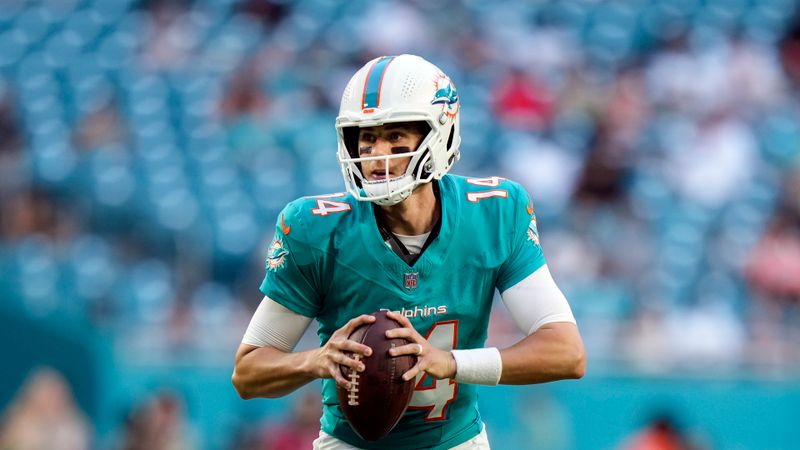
column 404, row 88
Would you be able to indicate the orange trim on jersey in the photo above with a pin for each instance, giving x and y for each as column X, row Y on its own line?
column 286, row 230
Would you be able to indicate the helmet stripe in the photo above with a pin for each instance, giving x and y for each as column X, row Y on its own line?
column 372, row 85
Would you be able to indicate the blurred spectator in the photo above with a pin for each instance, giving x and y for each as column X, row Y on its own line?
column 645, row 340
column 707, row 336
column 580, row 94
column 611, row 149
column 10, row 141
column 44, row 416
column 392, row 37
column 100, row 128
column 10, row 136
column 573, row 256
column 774, row 263
column 684, row 80
column 789, row 49
column 158, row 424
column 244, row 96
column 269, row 12
column 556, row 170
column 170, row 38
column 662, row 433
column 28, row 212
column 473, row 50
column 755, row 77
column 244, row 113
column 603, row 174
column 626, row 113
column 714, row 161
column 300, row 428
column 522, row 101
column 771, row 271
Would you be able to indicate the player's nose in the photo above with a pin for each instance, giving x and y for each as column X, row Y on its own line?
column 381, row 147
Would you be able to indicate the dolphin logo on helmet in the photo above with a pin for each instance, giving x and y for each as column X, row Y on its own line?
column 445, row 96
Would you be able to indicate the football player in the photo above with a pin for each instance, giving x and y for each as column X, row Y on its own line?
column 410, row 238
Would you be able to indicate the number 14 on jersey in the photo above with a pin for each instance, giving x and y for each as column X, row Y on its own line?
column 326, row 206
column 474, row 197
column 437, row 395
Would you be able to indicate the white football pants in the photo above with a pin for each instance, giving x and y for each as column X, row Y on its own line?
column 327, row 442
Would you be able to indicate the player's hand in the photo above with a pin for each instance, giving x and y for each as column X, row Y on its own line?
column 335, row 352
column 437, row 363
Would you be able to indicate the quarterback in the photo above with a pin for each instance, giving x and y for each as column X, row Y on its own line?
column 410, row 238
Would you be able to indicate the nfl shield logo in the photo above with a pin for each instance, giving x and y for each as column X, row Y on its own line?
column 411, row 280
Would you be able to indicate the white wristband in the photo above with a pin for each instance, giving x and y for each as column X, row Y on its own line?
column 478, row 366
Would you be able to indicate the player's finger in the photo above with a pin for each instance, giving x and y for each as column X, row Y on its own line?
column 355, row 322
column 407, row 333
column 400, row 318
column 412, row 372
column 336, row 374
column 348, row 345
column 409, row 349
column 344, row 360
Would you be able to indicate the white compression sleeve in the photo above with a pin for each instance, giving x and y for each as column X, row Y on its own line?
column 537, row 300
column 275, row 325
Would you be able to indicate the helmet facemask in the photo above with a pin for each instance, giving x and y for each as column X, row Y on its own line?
column 388, row 191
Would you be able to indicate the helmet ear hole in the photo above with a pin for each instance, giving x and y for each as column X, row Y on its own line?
column 351, row 140
column 450, row 137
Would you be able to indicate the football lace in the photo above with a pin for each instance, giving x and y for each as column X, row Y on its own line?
column 352, row 393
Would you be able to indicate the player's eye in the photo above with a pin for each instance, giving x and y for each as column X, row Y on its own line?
column 396, row 136
column 369, row 138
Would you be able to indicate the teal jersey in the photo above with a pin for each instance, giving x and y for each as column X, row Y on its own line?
column 328, row 261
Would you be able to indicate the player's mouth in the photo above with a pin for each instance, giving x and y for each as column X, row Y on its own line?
column 380, row 175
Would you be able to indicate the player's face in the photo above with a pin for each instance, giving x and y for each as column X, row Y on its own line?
column 389, row 139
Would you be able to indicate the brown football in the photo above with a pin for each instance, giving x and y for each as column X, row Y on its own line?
column 378, row 396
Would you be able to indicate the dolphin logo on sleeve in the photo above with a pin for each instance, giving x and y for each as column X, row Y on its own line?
column 276, row 258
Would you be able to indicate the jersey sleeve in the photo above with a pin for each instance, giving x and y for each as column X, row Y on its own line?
column 525, row 255
column 291, row 268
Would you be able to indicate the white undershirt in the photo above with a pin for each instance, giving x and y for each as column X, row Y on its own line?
column 413, row 243
column 533, row 302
